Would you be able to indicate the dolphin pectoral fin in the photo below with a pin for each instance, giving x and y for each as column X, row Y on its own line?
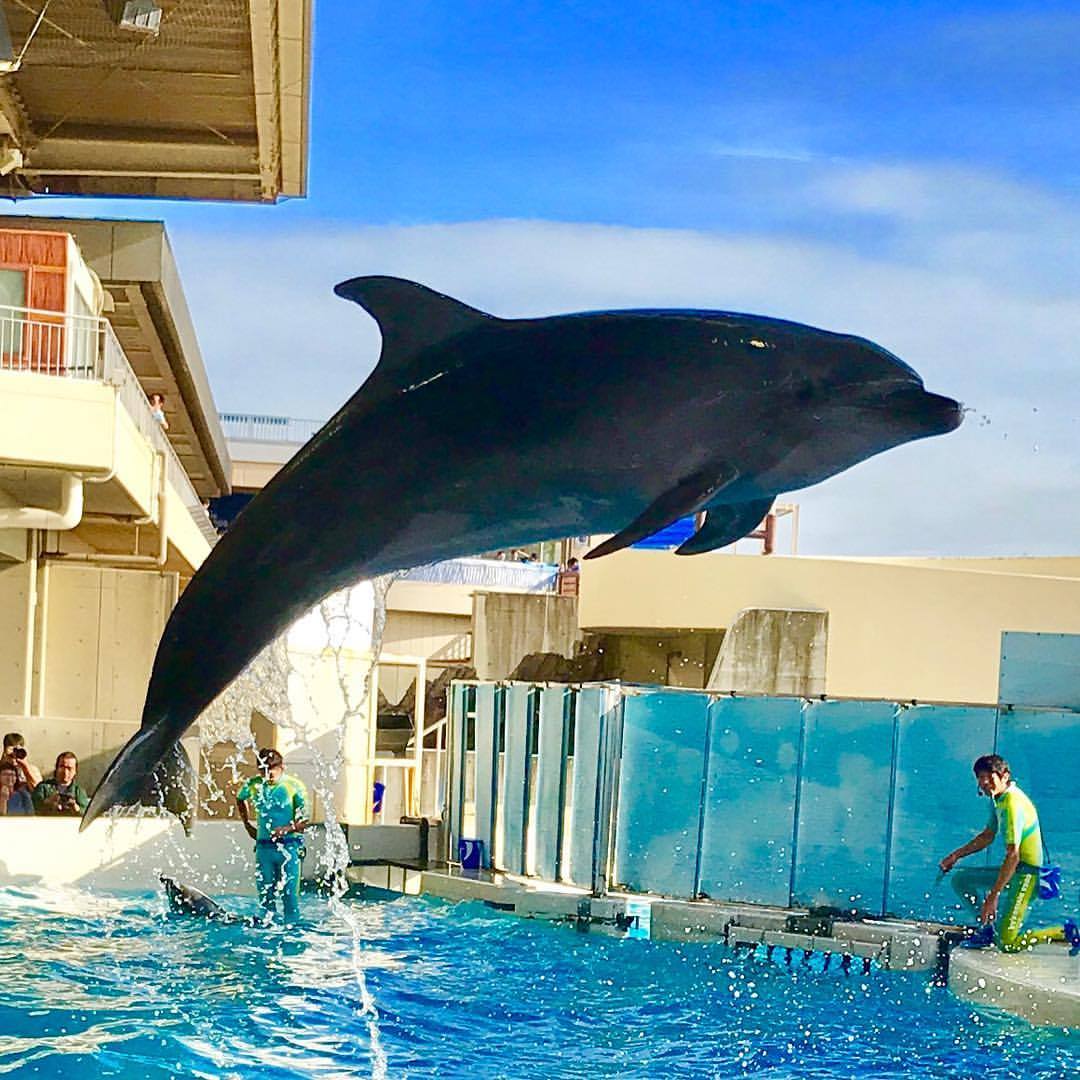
column 411, row 318
column 144, row 773
column 686, row 497
column 724, row 525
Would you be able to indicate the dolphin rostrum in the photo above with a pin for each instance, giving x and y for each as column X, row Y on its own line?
column 475, row 433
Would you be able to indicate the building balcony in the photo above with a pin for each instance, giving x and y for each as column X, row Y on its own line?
column 79, row 430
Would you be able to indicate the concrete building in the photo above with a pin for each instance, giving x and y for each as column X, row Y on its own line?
column 173, row 100
column 902, row 629
column 102, row 514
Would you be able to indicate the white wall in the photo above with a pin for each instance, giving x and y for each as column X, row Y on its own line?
column 131, row 854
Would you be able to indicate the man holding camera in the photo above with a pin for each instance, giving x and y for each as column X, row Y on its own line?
column 61, row 794
column 15, row 754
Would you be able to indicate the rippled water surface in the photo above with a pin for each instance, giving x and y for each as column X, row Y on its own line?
column 112, row 986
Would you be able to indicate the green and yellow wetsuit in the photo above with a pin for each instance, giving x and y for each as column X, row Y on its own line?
column 277, row 861
column 1013, row 817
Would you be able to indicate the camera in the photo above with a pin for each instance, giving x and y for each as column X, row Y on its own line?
column 19, row 753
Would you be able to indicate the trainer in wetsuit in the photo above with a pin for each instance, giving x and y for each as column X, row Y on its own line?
column 281, row 811
column 1012, row 887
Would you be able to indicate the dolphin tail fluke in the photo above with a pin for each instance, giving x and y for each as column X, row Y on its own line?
column 145, row 774
column 685, row 498
column 724, row 525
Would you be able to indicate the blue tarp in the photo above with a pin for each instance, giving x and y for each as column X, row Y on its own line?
column 670, row 537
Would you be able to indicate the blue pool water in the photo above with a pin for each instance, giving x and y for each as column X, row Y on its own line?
column 113, row 987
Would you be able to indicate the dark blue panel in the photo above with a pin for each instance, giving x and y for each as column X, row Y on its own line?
column 843, row 805
column 936, row 808
column 1040, row 669
column 750, row 799
column 1042, row 748
column 660, row 791
column 671, row 536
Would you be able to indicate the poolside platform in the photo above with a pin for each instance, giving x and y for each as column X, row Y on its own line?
column 1042, row 987
column 891, row 944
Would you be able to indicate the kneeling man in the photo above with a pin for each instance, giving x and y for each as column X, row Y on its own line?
column 1013, row 886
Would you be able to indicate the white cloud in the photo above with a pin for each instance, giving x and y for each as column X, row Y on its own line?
column 958, row 295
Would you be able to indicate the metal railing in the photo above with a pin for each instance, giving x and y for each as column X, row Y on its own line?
column 86, row 347
column 52, row 343
column 258, row 428
column 488, row 573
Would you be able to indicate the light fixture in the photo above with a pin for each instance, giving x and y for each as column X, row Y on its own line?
column 10, row 159
column 139, row 16
column 9, row 61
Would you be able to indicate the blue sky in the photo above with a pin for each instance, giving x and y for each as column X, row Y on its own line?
column 908, row 172
column 686, row 115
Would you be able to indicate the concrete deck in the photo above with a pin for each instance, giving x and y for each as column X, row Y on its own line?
column 894, row 945
column 1042, row 986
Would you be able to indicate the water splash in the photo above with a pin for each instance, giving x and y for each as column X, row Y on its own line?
column 281, row 678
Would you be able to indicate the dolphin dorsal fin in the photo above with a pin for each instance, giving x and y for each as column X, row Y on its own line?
column 411, row 317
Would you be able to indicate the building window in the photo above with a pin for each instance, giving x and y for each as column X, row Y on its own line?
column 13, row 288
column 12, row 295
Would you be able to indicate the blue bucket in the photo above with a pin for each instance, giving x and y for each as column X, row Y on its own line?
column 377, row 792
column 470, row 853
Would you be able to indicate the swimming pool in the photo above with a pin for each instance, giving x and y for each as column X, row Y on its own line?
column 111, row 986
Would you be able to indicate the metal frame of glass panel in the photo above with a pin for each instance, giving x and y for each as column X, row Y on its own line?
column 489, row 704
column 658, row 822
column 550, row 781
column 455, row 752
column 514, row 792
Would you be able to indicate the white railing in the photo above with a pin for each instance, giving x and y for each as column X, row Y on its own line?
column 51, row 343
column 85, row 347
column 488, row 573
column 279, row 429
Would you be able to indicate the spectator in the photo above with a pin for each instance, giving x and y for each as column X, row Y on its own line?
column 14, row 795
column 157, row 409
column 15, row 753
column 61, row 794
column 569, row 579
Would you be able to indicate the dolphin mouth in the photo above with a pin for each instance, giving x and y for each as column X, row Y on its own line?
column 932, row 413
column 948, row 412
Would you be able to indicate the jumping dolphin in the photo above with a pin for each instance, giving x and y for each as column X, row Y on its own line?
column 475, row 433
